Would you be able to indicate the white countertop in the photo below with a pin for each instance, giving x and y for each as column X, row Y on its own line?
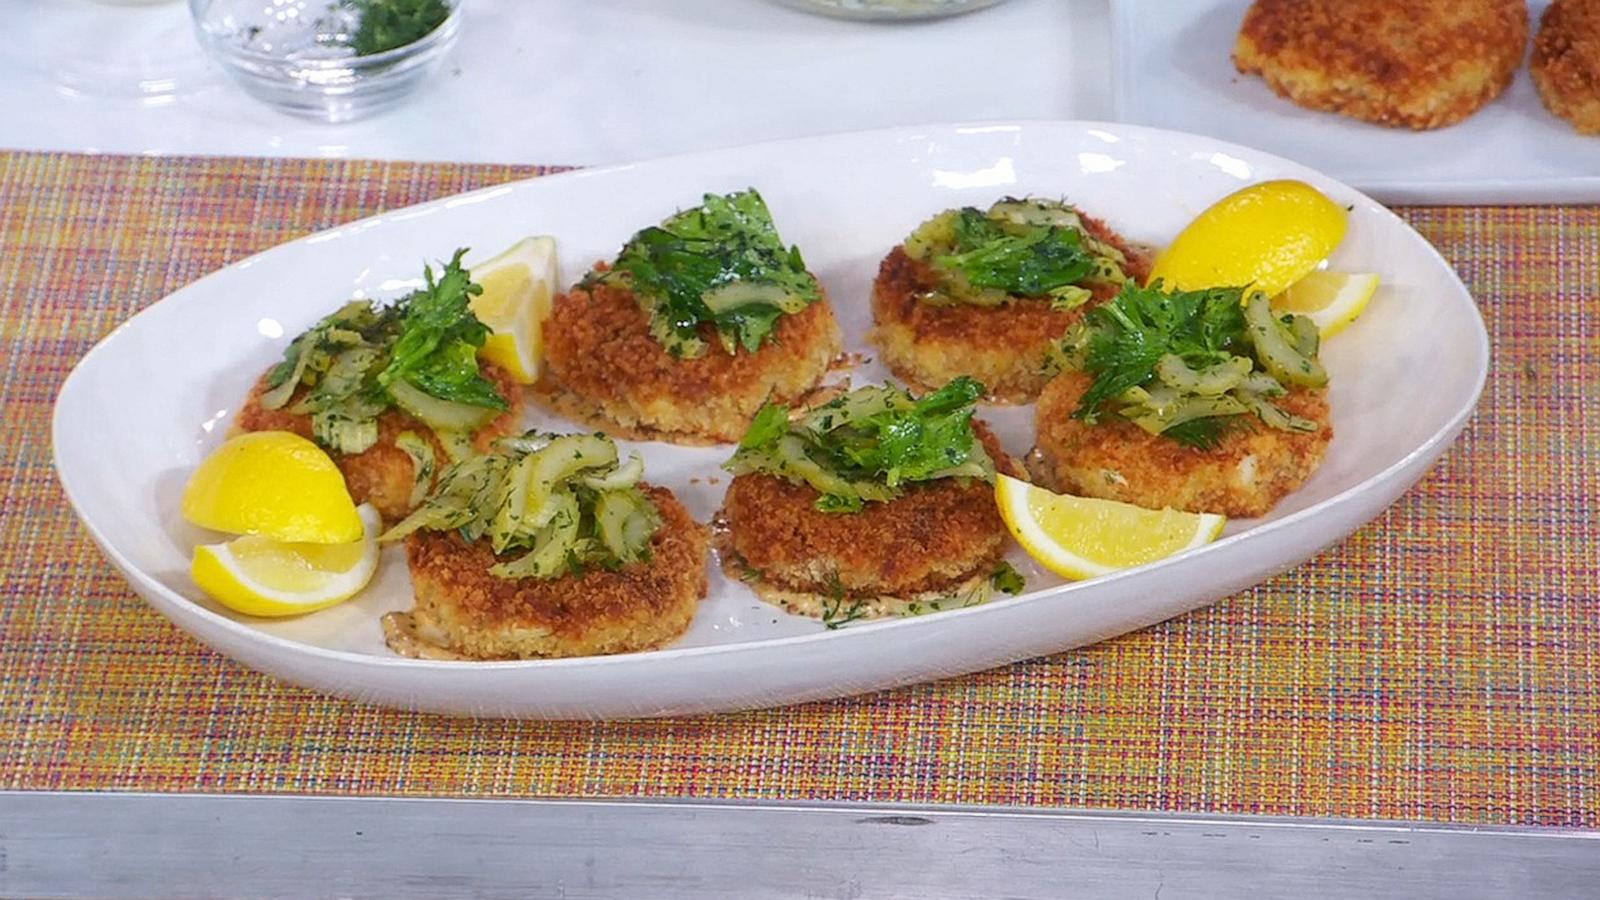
column 568, row 81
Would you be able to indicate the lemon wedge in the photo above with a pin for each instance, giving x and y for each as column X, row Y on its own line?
column 1330, row 299
column 1080, row 537
column 518, row 286
column 262, row 577
column 1269, row 235
column 275, row 484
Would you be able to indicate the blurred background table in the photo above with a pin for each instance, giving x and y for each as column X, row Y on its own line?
column 590, row 82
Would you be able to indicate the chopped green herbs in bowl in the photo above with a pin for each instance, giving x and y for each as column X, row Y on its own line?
column 385, row 25
column 334, row 60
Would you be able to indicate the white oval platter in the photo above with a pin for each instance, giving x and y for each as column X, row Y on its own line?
column 147, row 403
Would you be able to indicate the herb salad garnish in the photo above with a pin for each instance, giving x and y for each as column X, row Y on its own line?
column 1193, row 365
column 720, row 264
column 419, row 353
column 1018, row 248
column 869, row 444
column 439, row 338
column 556, row 504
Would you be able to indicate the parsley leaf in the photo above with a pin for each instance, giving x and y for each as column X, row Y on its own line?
column 720, row 264
column 1128, row 336
column 1032, row 263
column 439, row 336
column 1019, row 248
column 869, row 444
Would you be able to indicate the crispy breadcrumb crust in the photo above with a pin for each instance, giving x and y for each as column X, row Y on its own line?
column 603, row 366
column 1005, row 347
column 638, row 607
column 1245, row 475
column 1415, row 63
column 1566, row 62
column 383, row 475
column 936, row 536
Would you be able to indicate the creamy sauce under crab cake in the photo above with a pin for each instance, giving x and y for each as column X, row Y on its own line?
column 696, row 324
column 392, row 392
column 548, row 546
column 1189, row 400
column 876, row 503
column 987, row 294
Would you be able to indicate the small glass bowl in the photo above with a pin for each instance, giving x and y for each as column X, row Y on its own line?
column 295, row 55
column 888, row 9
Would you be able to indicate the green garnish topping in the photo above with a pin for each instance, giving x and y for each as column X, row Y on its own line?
column 868, row 444
column 423, row 463
column 835, row 613
column 1192, row 365
column 720, row 264
column 439, row 339
column 556, row 504
column 419, row 353
column 387, row 24
column 1019, row 248
column 1007, row 579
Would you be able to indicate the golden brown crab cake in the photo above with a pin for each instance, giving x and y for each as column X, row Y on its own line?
column 641, row 606
column 1245, row 475
column 603, row 366
column 384, row 474
column 936, row 538
column 1566, row 62
column 1006, row 347
column 1413, row 63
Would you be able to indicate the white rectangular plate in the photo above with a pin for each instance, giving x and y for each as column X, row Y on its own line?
column 143, row 407
column 1172, row 65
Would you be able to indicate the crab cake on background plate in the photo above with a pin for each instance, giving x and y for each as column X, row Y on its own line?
column 392, row 392
column 985, row 294
column 697, row 323
column 1411, row 63
column 548, row 546
column 873, row 504
column 1566, row 62
column 1187, row 400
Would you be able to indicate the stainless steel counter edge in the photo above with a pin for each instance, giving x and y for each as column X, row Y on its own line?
column 65, row 844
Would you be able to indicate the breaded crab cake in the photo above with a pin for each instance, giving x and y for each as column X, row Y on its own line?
column 605, row 367
column 548, row 547
column 986, row 294
column 391, row 392
column 473, row 613
column 928, row 543
column 1411, row 63
column 1185, row 400
column 697, row 323
column 1244, row 474
column 1566, row 62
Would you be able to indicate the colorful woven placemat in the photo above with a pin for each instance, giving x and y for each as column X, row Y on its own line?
column 1442, row 664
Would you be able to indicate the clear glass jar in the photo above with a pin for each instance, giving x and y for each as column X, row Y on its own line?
column 299, row 55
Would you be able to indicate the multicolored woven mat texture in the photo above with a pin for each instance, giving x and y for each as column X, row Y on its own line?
column 1442, row 664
